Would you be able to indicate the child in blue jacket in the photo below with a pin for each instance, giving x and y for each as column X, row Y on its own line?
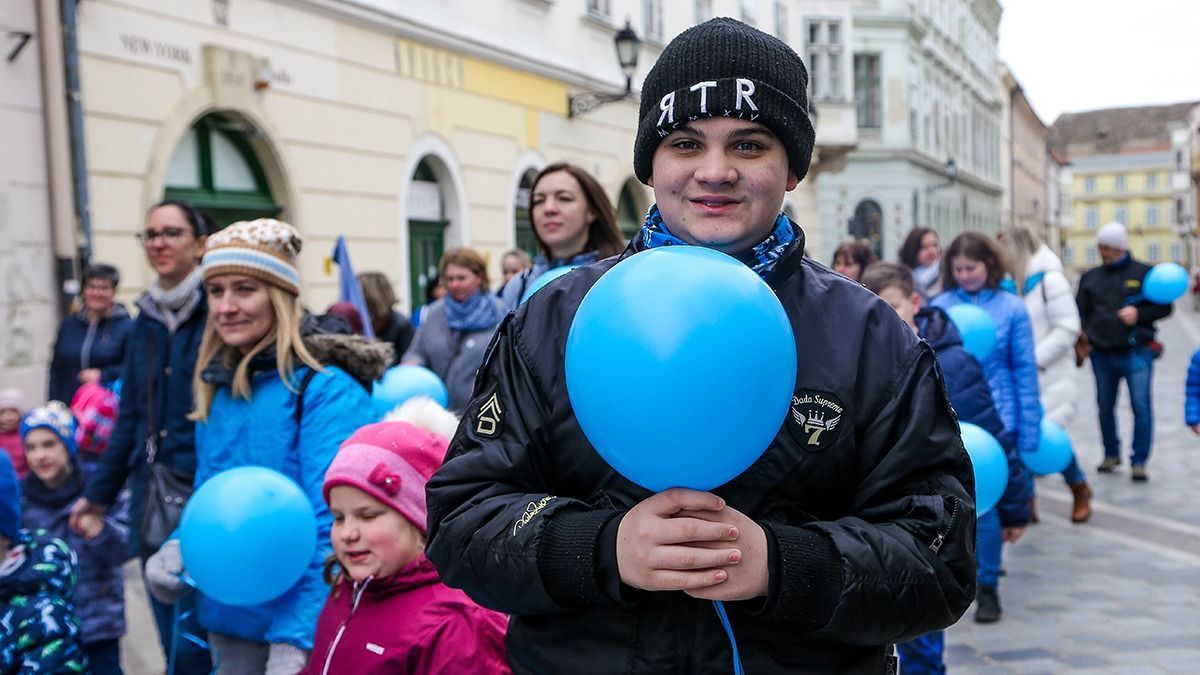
column 1191, row 404
column 971, row 397
column 55, row 481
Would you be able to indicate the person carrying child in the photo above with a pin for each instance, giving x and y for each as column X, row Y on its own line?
column 39, row 632
column 56, row 479
column 388, row 611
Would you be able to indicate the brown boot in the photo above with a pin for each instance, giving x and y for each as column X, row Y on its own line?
column 1081, row 510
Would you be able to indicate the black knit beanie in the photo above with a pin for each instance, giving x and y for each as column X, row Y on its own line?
column 724, row 68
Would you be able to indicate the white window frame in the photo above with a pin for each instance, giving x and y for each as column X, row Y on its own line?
column 1152, row 215
column 1091, row 217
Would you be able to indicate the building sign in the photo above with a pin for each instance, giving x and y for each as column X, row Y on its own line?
column 424, row 200
column 164, row 51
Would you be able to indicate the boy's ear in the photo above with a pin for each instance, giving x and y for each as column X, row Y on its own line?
column 792, row 181
column 916, row 300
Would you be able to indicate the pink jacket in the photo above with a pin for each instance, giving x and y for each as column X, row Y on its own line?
column 11, row 442
column 409, row 622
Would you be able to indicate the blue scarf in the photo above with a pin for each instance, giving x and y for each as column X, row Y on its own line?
column 761, row 258
column 477, row 312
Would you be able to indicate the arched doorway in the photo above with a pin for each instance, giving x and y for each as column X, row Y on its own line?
column 427, row 222
column 215, row 167
column 866, row 225
column 522, row 225
column 630, row 212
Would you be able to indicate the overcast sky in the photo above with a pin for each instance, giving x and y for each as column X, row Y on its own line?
column 1075, row 55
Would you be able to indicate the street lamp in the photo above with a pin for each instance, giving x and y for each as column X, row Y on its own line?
column 950, row 171
column 629, row 46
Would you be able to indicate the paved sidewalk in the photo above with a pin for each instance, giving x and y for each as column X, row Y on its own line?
column 1121, row 593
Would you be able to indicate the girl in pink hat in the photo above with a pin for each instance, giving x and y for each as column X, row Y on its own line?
column 388, row 611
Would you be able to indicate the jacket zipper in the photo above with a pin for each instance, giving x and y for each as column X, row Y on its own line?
column 342, row 629
column 85, row 350
column 940, row 539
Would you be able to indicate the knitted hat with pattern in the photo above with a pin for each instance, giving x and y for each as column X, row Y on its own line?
column 53, row 416
column 265, row 249
column 724, row 68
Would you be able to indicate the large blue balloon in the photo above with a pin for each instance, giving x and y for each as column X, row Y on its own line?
column 989, row 463
column 545, row 278
column 247, row 535
column 1053, row 453
column 403, row 382
column 680, row 367
column 976, row 327
column 1165, row 283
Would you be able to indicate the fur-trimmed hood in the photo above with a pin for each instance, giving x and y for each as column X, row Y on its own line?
column 363, row 359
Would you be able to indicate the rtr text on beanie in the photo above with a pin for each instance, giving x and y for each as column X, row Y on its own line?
column 725, row 68
column 265, row 249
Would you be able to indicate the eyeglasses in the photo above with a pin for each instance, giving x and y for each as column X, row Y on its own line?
column 170, row 235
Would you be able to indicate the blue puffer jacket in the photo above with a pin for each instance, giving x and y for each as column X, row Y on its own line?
column 971, row 398
column 1191, row 405
column 263, row 432
column 100, row 594
column 38, row 629
column 80, row 346
column 158, row 364
column 1011, row 367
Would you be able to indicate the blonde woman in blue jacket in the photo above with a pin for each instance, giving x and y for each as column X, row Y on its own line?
column 267, row 395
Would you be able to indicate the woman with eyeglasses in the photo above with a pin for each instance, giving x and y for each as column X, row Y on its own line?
column 90, row 346
column 156, row 395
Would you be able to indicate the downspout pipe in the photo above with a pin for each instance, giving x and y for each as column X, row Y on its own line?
column 58, row 153
column 79, row 171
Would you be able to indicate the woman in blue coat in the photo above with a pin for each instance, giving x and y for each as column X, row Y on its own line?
column 268, row 395
column 973, row 269
column 90, row 346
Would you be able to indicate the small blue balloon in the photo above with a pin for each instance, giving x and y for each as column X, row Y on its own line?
column 247, row 535
column 403, row 382
column 990, row 466
column 680, row 367
column 1165, row 283
column 1053, row 454
column 545, row 278
column 976, row 327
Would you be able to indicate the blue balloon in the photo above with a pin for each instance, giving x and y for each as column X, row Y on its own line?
column 247, row 535
column 976, row 327
column 680, row 366
column 545, row 278
column 990, row 466
column 1053, row 453
column 403, row 382
column 1165, row 283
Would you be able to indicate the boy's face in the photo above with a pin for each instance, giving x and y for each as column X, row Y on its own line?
column 719, row 182
column 48, row 458
column 10, row 418
column 906, row 306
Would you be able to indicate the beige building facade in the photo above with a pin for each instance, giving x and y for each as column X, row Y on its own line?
column 1026, row 160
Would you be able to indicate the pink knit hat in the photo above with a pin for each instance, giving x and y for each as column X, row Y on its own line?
column 392, row 460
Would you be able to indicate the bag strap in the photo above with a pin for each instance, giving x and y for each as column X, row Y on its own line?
column 308, row 376
column 151, row 395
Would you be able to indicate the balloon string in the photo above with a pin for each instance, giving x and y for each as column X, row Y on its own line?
column 177, row 631
column 737, row 659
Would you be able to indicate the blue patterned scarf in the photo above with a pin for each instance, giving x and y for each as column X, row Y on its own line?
column 475, row 313
column 761, row 258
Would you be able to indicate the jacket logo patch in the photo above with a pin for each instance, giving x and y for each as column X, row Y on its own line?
column 815, row 418
column 374, row 648
column 531, row 510
column 490, row 418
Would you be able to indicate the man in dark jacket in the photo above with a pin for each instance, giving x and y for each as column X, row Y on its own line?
column 156, row 396
column 1119, row 324
column 829, row 548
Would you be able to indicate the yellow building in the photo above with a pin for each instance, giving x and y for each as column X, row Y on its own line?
column 1134, row 190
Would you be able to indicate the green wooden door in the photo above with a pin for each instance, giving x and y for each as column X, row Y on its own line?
column 426, row 242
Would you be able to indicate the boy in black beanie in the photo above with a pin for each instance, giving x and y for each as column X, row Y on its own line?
column 839, row 541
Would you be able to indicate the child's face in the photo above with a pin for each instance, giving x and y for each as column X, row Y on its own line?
column 10, row 418
column 971, row 275
column 371, row 538
column 47, row 456
column 906, row 306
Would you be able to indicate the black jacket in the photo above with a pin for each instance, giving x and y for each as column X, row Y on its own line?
column 870, row 530
column 1103, row 291
column 81, row 345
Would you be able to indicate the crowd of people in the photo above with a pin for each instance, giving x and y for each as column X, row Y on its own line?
column 488, row 535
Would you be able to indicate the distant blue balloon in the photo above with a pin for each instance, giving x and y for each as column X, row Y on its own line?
column 976, row 327
column 1053, row 453
column 545, row 278
column 989, row 463
column 680, row 367
column 1165, row 283
column 247, row 535
column 403, row 382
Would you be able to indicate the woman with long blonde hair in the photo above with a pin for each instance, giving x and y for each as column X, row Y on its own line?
column 268, row 392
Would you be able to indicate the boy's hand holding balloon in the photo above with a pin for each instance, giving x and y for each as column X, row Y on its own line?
column 671, row 542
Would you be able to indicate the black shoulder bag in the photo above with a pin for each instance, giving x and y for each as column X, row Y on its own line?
column 168, row 489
